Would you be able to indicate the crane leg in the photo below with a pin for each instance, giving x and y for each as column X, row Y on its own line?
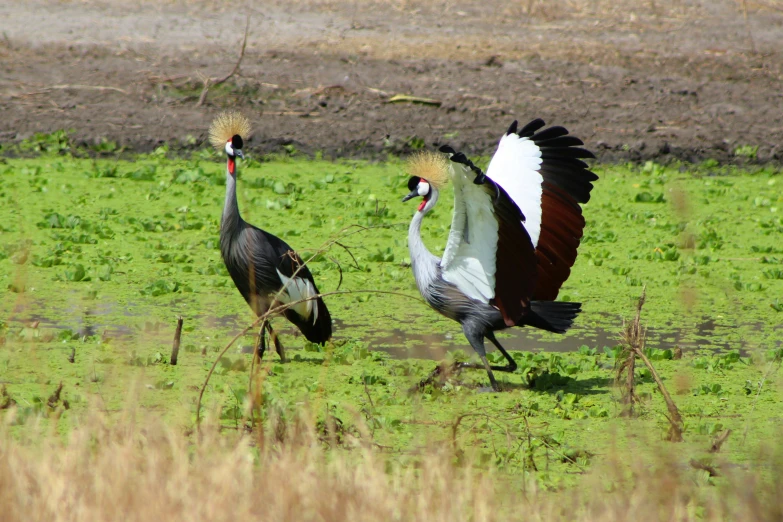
column 261, row 343
column 476, row 340
column 511, row 367
column 276, row 340
column 491, row 375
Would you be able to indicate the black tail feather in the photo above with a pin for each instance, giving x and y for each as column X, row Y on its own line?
column 318, row 332
column 552, row 316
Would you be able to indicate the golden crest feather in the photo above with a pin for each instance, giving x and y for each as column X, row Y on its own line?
column 432, row 166
column 225, row 126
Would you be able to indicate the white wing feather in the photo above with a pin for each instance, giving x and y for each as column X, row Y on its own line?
column 515, row 167
column 297, row 290
column 469, row 259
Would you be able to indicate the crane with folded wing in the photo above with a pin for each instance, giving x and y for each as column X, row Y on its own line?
column 264, row 268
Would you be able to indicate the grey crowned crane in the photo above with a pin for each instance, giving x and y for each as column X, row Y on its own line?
column 261, row 264
column 514, row 234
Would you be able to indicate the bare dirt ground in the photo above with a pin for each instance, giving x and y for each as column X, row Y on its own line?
column 646, row 79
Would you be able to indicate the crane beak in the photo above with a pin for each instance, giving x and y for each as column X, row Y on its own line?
column 239, row 153
column 412, row 195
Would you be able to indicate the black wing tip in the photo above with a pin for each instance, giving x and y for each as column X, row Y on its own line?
column 512, row 128
column 462, row 159
column 562, row 156
column 528, row 130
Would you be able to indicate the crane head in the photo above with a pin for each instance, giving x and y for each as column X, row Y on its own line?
column 419, row 187
column 234, row 146
column 429, row 171
column 228, row 132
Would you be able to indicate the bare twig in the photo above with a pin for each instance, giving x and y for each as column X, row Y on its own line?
column 747, row 26
column 369, row 397
column 213, row 82
column 773, row 366
column 718, row 442
column 441, row 372
column 175, row 347
column 769, row 4
column 355, row 262
column 704, row 467
column 74, row 87
column 455, row 427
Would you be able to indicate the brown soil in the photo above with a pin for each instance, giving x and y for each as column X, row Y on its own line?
column 657, row 79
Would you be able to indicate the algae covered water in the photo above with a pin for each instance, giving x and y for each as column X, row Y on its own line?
column 100, row 257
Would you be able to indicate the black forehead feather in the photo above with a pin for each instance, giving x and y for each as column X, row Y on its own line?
column 236, row 142
column 413, row 182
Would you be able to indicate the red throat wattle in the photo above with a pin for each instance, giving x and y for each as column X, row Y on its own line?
column 422, row 204
column 232, row 166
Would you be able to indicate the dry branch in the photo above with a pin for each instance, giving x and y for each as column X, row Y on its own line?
column 695, row 464
column 212, row 82
column 75, row 87
column 175, row 347
column 718, row 442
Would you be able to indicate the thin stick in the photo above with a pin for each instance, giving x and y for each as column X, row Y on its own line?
column 175, row 347
column 213, row 82
column 773, row 365
column 675, row 433
column 695, row 464
column 75, row 87
column 747, row 26
column 718, row 442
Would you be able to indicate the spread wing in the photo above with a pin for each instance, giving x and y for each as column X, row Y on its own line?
column 489, row 255
column 543, row 174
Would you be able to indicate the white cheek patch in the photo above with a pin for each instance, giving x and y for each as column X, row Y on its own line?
column 229, row 149
column 424, row 188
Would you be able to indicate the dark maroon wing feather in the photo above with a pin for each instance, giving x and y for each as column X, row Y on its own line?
column 567, row 183
column 515, row 261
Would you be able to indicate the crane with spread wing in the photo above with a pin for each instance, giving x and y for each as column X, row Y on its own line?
column 514, row 234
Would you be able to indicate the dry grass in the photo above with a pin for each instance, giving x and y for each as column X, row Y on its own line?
column 139, row 469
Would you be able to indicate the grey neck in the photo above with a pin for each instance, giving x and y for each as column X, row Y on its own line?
column 231, row 219
column 423, row 262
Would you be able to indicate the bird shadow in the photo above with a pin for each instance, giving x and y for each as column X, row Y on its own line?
column 589, row 386
column 315, row 361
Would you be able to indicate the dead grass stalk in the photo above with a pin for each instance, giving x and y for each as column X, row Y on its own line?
column 634, row 336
